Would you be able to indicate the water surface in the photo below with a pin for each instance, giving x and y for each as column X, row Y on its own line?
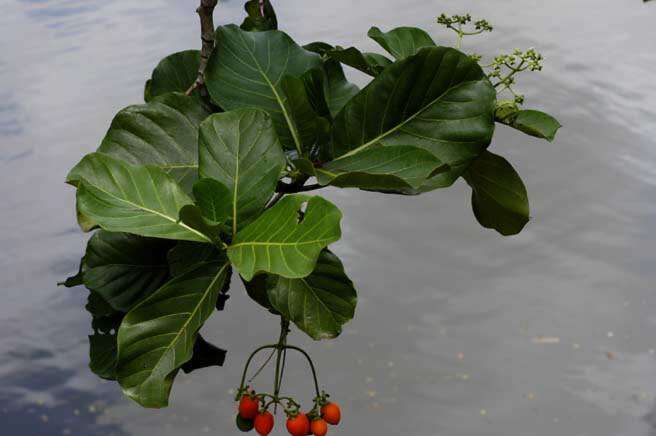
column 451, row 327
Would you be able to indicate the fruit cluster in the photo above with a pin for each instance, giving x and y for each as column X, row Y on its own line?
column 254, row 414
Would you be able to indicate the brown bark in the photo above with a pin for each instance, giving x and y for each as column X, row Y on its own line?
column 205, row 12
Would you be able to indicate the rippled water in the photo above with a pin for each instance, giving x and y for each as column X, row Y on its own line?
column 450, row 331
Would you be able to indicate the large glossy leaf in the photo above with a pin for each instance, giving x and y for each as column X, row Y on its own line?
column 369, row 63
column 327, row 89
column 256, row 21
column 499, row 197
column 402, row 41
column 240, row 149
column 394, row 168
column 105, row 322
column 314, row 82
column 192, row 216
column 163, row 132
column 124, row 268
column 246, row 69
column 187, row 255
column 308, row 124
column 175, row 73
column 142, row 200
column 318, row 304
column 338, row 90
column 213, row 199
column 102, row 355
column 286, row 240
column 257, row 289
column 212, row 211
column 157, row 337
column 438, row 99
column 536, row 123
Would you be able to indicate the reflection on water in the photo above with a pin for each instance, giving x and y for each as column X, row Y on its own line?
column 459, row 331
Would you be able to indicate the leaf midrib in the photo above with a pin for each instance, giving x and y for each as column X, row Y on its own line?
column 290, row 124
column 192, row 314
column 404, row 122
column 278, row 244
column 185, row 325
column 154, row 212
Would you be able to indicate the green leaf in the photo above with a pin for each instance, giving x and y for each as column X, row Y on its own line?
column 338, row 90
column 212, row 211
column 192, row 216
column 205, row 355
column 536, row 123
column 86, row 224
column 246, row 68
column 175, row 73
column 319, row 304
column 163, row 132
column 286, row 240
column 187, row 255
column 369, row 63
column 257, row 290
column 99, row 309
column 306, row 121
column 314, row 82
column 328, row 88
column 257, row 22
column 402, row 41
column 499, row 197
column 394, row 168
column 147, row 95
column 157, row 337
column 319, row 47
column 142, row 200
column 240, row 149
column 214, row 200
column 124, row 268
column 102, row 343
column 102, row 355
column 439, row 100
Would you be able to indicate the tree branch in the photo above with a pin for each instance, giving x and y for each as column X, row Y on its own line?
column 205, row 12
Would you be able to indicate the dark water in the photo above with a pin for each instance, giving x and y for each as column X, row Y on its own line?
column 450, row 333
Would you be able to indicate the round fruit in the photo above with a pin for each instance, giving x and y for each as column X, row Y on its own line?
column 248, row 407
column 299, row 425
column 264, row 423
column 319, row 427
column 331, row 413
column 244, row 425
